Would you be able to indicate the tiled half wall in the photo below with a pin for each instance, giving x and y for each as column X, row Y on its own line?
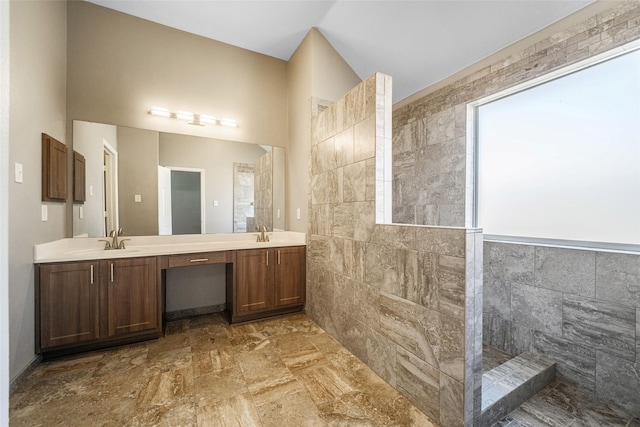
column 406, row 300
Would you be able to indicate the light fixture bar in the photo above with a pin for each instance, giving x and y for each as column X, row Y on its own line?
column 229, row 123
column 159, row 111
column 185, row 115
column 192, row 118
column 209, row 120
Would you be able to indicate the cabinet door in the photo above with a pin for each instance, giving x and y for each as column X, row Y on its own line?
column 68, row 304
column 254, row 280
column 290, row 276
column 132, row 295
column 54, row 169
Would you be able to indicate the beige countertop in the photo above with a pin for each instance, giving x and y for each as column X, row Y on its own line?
column 81, row 249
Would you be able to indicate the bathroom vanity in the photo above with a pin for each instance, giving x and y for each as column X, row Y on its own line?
column 87, row 297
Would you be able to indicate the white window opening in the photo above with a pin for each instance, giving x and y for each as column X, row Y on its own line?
column 561, row 160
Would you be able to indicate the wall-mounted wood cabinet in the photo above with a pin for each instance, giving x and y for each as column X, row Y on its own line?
column 268, row 281
column 79, row 178
column 54, row 170
column 96, row 303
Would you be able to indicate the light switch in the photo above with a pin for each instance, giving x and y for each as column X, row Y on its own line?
column 81, row 212
column 90, row 190
column 278, row 214
column 215, row 203
column 298, row 213
column 137, row 198
column 18, row 173
column 45, row 213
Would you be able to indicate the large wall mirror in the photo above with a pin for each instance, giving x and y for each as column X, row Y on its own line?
column 157, row 183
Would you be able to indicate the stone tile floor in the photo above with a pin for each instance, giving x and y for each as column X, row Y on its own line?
column 558, row 404
column 561, row 405
column 279, row 372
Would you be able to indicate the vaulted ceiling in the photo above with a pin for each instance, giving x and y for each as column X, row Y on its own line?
column 417, row 42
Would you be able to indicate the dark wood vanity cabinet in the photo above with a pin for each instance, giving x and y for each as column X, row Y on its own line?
column 84, row 305
column 69, row 298
column 267, row 282
column 132, row 295
column 290, row 277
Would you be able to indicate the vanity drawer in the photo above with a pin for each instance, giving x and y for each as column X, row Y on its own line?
column 184, row 260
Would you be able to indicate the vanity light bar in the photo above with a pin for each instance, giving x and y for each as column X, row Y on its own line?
column 192, row 118
column 229, row 122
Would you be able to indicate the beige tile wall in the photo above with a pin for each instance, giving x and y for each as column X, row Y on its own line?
column 429, row 135
column 401, row 298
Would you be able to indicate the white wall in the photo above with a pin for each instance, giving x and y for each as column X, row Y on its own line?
column 38, row 51
column 4, row 212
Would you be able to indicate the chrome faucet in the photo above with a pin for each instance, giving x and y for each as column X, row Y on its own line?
column 114, row 243
column 262, row 237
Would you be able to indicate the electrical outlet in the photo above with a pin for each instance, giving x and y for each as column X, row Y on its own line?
column 45, row 213
column 215, row 203
column 81, row 212
column 137, row 198
column 18, row 173
column 298, row 213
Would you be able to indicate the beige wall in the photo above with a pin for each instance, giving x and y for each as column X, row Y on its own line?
column 4, row 212
column 120, row 66
column 38, row 93
column 315, row 70
column 138, row 154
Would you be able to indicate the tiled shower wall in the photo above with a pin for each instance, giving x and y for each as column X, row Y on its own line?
column 263, row 191
column 578, row 307
column 403, row 299
column 429, row 135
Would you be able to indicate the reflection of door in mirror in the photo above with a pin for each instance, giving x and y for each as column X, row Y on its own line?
column 110, row 188
column 164, row 201
column 187, row 201
column 93, row 140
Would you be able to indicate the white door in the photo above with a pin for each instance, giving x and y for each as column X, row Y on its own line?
column 164, row 201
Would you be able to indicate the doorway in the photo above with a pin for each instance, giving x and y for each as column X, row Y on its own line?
column 110, row 185
column 181, row 201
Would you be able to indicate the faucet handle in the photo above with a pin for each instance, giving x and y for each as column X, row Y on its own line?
column 121, row 246
column 107, row 244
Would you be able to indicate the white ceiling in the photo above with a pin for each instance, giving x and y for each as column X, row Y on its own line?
column 416, row 42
